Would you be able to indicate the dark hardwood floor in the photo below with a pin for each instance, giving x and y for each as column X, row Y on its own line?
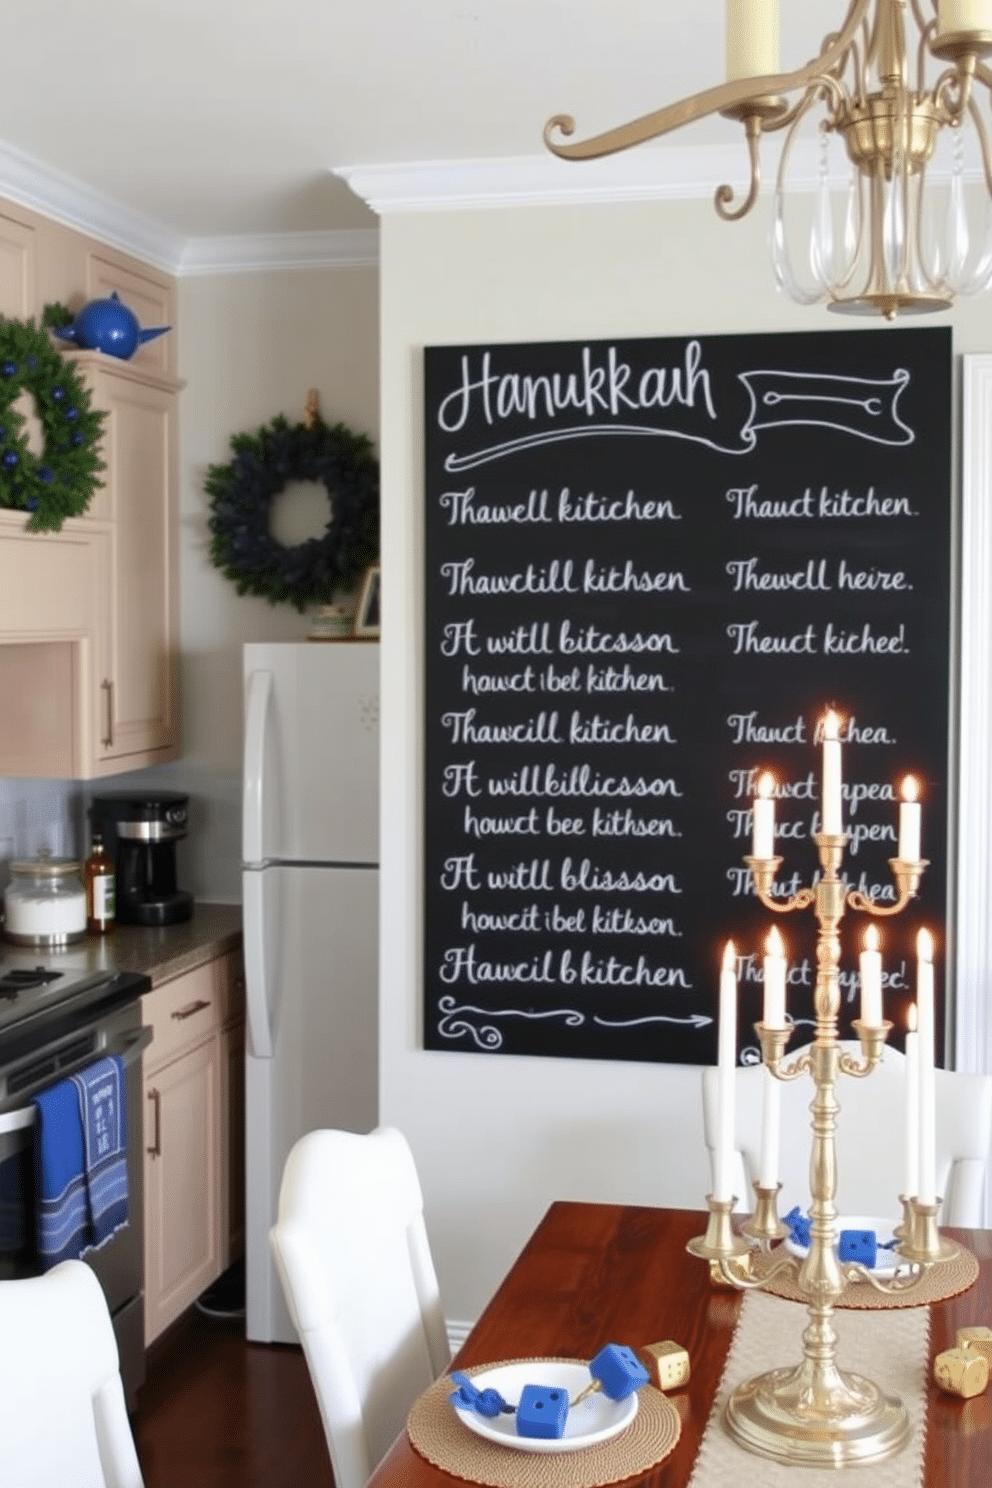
column 217, row 1412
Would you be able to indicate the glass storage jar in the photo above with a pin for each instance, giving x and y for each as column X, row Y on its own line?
column 45, row 902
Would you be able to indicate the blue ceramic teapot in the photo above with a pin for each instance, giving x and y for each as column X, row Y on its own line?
column 108, row 326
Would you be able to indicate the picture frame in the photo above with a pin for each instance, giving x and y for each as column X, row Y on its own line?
column 367, row 613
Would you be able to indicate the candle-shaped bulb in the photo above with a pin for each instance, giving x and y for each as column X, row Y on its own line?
column 752, row 38
column 773, row 1014
column 909, row 821
column 871, row 980
column 763, row 818
column 832, row 820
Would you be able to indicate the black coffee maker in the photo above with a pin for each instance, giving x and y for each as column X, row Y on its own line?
column 140, row 830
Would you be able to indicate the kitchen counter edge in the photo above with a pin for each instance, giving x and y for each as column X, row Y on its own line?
column 160, row 952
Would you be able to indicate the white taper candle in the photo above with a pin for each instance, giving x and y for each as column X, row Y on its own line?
column 773, row 1012
column 911, row 1174
column 909, row 822
column 928, row 1111
column 726, row 1075
column 871, row 980
column 763, row 818
column 832, row 819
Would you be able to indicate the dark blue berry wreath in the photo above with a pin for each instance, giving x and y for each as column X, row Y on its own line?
column 241, row 495
column 59, row 482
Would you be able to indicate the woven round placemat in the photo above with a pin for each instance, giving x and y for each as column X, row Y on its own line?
column 437, row 1434
column 946, row 1280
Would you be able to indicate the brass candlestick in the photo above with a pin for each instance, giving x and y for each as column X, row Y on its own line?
column 816, row 1414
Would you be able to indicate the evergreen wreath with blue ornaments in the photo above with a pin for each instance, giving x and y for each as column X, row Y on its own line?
column 59, row 482
column 241, row 495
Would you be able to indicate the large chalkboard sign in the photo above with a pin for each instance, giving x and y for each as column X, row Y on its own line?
column 651, row 565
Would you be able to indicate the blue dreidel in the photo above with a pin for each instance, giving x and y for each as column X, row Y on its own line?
column 857, row 1245
column 617, row 1371
column 542, row 1411
column 488, row 1402
column 800, row 1227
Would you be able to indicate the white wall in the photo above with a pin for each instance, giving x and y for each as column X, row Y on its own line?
column 497, row 1138
column 251, row 345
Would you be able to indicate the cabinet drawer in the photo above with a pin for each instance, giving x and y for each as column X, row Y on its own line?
column 181, row 1012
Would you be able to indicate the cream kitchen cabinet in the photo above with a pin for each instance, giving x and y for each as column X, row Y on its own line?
column 192, row 1119
column 88, row 619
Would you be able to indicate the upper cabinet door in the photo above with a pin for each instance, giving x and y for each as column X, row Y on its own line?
column 138, row 706
column 17, row 255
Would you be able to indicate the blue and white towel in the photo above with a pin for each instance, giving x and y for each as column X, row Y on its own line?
column 80, row 1162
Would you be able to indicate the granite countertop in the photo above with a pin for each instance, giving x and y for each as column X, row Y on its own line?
column 160, row 952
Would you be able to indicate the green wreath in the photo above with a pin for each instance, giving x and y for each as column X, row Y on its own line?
column 59, row 482
column 241, row 494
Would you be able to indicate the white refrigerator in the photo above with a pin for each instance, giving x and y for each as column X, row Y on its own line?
column 310, row 890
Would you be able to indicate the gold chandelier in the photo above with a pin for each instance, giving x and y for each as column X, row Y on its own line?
column 888, row 99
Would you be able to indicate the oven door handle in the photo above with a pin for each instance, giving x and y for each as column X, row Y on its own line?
column 127, row 1049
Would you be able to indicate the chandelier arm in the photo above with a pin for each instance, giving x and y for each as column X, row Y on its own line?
column 724, row 195
column 983, row 142
column 733, row 97
column 818, row 87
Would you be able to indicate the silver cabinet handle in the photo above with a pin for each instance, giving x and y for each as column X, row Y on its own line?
column 190, row 1009
column 155, row 1150
column 108, row 688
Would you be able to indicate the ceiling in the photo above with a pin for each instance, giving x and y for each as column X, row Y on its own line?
column 205, row 119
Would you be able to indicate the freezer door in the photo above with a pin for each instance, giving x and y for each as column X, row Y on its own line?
column 322, row 1002
column 311, row 756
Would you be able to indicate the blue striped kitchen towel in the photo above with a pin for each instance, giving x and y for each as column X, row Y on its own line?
column 80, row 1167
column 104, row 1122
column 61, row 1205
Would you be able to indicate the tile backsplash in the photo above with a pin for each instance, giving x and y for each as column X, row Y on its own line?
column 36, row 814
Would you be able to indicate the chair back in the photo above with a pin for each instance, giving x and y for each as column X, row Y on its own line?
column 870, row 1138
column 63, row 1417
column 352, row 1254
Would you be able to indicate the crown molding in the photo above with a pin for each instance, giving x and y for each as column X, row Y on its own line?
column 669, row 173
column 32, row 184
column 356, row 248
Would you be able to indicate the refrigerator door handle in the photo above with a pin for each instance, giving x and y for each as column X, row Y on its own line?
column 257, row 701
column 256, row 969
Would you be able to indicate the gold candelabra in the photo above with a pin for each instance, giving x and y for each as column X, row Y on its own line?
column 816, row 1414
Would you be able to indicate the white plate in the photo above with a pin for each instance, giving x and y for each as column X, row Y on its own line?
column 886, row 1261
column 596, row 1419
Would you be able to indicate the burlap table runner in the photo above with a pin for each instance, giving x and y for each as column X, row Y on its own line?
column 890, row 1348
column 437, row 1434
column 945, row 1280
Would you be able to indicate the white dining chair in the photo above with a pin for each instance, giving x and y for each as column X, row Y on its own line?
column 352, row 1254
column 63, row 1417
column 870, row 1139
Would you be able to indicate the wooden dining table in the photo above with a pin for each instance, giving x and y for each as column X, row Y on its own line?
column 597, row 1273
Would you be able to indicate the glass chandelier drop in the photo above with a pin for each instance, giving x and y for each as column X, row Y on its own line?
column 893, row 100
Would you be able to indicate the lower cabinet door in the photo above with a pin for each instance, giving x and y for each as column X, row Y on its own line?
column 182, row 1209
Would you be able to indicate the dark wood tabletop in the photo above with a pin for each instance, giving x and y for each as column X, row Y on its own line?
column 598, row 1273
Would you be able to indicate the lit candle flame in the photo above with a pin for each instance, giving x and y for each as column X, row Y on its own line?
column 924, row 945
column 910, row 789
column 766, row 784
column 831, row 725
column 871, row 938
column 912, row 1018
column 774, row 945
column 729, row 957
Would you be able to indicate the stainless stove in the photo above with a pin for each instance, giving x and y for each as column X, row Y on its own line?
column 54, row 1020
